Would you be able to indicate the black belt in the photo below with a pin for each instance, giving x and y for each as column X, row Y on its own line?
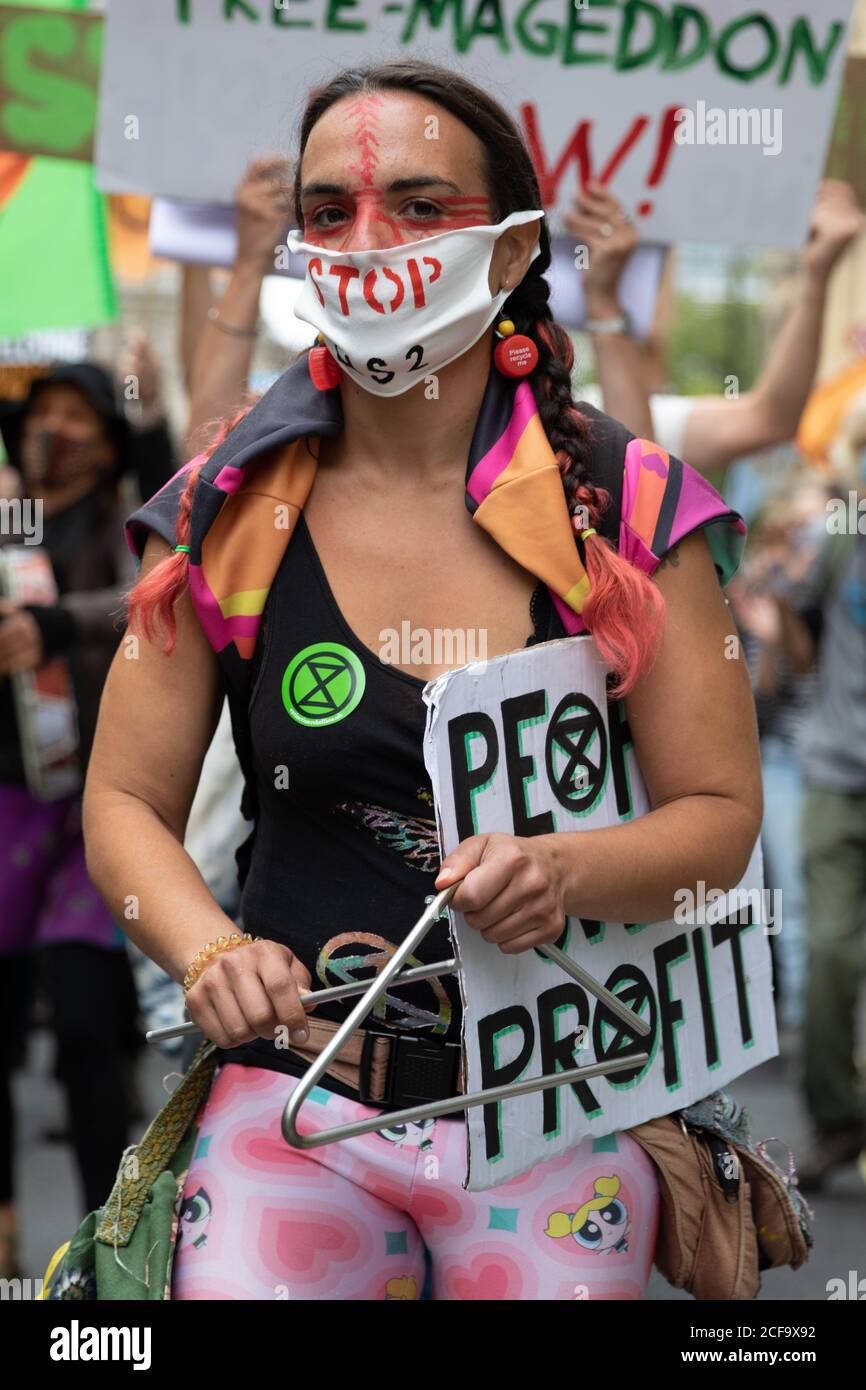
column 418, row 1070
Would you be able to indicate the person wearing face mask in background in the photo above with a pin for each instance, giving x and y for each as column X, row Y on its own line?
column 68, row 443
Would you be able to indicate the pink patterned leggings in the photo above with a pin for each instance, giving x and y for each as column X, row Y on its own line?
column 352, row 1220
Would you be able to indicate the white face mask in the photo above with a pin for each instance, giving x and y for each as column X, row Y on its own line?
column 393, row 316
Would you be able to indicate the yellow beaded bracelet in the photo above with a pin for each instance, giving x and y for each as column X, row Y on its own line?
column 207, row 953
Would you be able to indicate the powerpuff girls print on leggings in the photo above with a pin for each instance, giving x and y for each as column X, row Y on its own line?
column 260, row 1220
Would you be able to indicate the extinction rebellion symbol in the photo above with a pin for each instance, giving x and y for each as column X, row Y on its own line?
column 576, row 754
column 322, row 684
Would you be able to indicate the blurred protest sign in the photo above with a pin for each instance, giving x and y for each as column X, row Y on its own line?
column 636, row 290
column 526, row 744
column 52, row 247
column 52, row 220
column 49, row 76
column 847, row 155
column 202, row 233
column 128, row 239
column 192, row 89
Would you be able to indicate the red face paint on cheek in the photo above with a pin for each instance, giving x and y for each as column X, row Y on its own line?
column 457, row 212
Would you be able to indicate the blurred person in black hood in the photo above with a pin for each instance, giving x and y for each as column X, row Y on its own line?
column 68, row 444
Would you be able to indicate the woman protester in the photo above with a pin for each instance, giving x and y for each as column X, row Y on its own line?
column 424, row 460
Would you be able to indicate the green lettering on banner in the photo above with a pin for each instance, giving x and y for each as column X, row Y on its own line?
column 282, row 18
column 817, row 60
column 334, row 20
column 641, row 34
column 229, row 7
column 681, row 16
column 49, row 72
column 486, row 21
column 494, row 26
column 729, row 34
column 545, row 36
column 627, row 57
column 578, row 25
column 435, row 12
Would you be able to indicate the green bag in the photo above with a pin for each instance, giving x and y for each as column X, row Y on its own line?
column 125, row 1249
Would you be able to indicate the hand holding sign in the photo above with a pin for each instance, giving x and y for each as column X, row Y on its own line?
column 608, row 236
column 511, row 892
column 836, row 221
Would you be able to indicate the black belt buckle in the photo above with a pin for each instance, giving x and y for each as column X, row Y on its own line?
column 418, row 1070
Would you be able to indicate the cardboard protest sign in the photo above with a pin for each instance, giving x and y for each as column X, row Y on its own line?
column 845, row 155
column 49, row 76
column 527, row 745
column 59, row 281
column 193, row 89
column 52, row 220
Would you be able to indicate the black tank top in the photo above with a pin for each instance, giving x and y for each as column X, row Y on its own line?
column 345, row 852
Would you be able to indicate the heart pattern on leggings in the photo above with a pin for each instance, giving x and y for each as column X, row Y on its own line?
column 262, row 1149
column 489, row 1277
column 306, row 1246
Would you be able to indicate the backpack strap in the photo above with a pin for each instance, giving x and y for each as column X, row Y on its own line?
column 160, row 1148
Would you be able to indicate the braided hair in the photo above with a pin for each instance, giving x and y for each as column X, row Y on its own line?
column 624, row 609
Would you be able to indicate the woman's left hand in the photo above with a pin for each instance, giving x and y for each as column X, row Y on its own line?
column 510, row 892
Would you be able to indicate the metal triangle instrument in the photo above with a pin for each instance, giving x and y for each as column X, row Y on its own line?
column 390, row 975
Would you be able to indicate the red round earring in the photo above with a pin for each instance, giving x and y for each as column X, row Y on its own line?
column 515, row 355
column 325, row 373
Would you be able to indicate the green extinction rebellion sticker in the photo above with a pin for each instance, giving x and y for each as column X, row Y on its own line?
column 322, row 684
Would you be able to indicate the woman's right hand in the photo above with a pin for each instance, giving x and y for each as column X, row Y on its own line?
column 251, row 992
column 601, row 223
column 264, row 212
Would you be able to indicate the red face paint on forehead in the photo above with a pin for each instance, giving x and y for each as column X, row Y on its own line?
column 362, row 119
column 364, row 206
